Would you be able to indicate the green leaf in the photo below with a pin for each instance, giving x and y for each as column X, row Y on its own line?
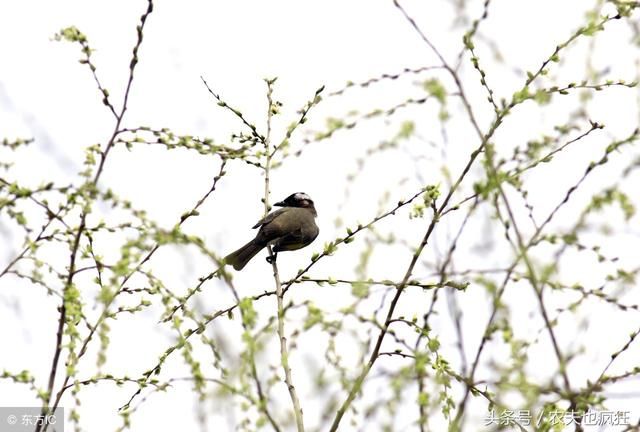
column 435, row 88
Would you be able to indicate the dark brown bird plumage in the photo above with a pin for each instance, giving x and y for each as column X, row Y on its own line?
column 289, row 228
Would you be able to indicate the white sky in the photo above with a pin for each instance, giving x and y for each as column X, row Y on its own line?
column 46, row 94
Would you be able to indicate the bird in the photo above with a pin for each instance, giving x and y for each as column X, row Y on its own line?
column 290, row 228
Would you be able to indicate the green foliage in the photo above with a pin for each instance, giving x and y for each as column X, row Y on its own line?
column 420, row 243
column 435, row 88
column 71, row 34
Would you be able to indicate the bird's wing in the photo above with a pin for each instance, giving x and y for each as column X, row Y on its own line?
column 268, row 218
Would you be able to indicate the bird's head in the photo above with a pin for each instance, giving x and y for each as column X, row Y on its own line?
column 298, row 199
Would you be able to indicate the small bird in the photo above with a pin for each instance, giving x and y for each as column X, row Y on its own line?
column 289, row 228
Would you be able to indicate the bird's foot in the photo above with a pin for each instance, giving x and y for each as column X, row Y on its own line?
column 272, row 258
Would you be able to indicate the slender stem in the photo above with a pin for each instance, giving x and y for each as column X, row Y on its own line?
column 521, row 245
column 262, row 398
column 522, row 248
column 284, row 354
column 76, row 242
column 356, row 387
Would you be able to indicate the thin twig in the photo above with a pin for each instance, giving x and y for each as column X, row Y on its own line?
column 76, row 242
column 284, row 354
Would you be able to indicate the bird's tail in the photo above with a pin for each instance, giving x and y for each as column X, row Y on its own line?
column 241, row 257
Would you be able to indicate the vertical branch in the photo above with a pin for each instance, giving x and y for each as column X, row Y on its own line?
column 262, row 405
column 69, row 291
column 284, row 353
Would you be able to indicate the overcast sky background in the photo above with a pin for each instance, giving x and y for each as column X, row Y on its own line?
column 46, row 94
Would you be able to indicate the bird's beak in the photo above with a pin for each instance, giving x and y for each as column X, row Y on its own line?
column 280, row 204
